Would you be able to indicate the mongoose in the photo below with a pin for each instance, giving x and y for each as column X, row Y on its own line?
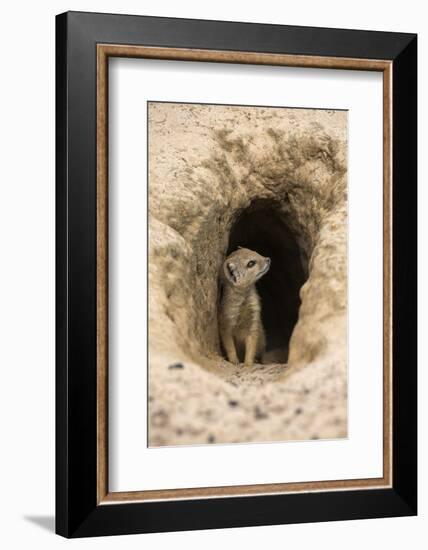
column 240, row 323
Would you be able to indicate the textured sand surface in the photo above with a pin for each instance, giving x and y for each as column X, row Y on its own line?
column 207, row 164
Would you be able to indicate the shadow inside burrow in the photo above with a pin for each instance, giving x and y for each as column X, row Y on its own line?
column 262, row 227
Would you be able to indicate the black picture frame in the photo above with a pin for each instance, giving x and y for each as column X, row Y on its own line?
column 77, row 511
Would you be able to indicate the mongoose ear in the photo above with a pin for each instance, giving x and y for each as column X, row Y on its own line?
column 239, row 246
column 231, row 271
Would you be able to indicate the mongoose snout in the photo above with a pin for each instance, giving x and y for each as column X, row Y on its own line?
column 240, row 324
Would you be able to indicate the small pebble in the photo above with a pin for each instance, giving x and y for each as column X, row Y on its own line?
column 159, row 419
column 259, row 414
column 176, row 366
column 233, row 403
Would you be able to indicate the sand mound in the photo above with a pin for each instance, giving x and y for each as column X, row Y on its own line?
column 274, row 178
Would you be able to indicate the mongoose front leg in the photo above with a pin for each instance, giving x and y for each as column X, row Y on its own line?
column 229, row 346
column 250, row 348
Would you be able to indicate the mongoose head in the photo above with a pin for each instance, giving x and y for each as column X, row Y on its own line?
column 244, row 267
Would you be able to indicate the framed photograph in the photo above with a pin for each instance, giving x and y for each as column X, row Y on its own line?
column 236, row 274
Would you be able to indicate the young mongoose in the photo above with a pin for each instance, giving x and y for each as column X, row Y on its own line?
column 240, row 323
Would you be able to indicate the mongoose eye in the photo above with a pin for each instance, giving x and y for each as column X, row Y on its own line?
column 251, row 263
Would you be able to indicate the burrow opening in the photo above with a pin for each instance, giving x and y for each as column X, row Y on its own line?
column 264, row 228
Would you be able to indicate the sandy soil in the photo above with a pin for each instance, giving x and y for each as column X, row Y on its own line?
column 207, row 164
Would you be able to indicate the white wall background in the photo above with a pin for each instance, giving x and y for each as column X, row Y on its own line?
column 27, row 272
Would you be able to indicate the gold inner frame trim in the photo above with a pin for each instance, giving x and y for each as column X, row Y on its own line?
column 104, row 51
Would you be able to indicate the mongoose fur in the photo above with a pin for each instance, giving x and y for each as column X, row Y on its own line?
column 240, row 323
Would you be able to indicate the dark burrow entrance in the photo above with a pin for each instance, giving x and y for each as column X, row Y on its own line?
column 262, row 228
